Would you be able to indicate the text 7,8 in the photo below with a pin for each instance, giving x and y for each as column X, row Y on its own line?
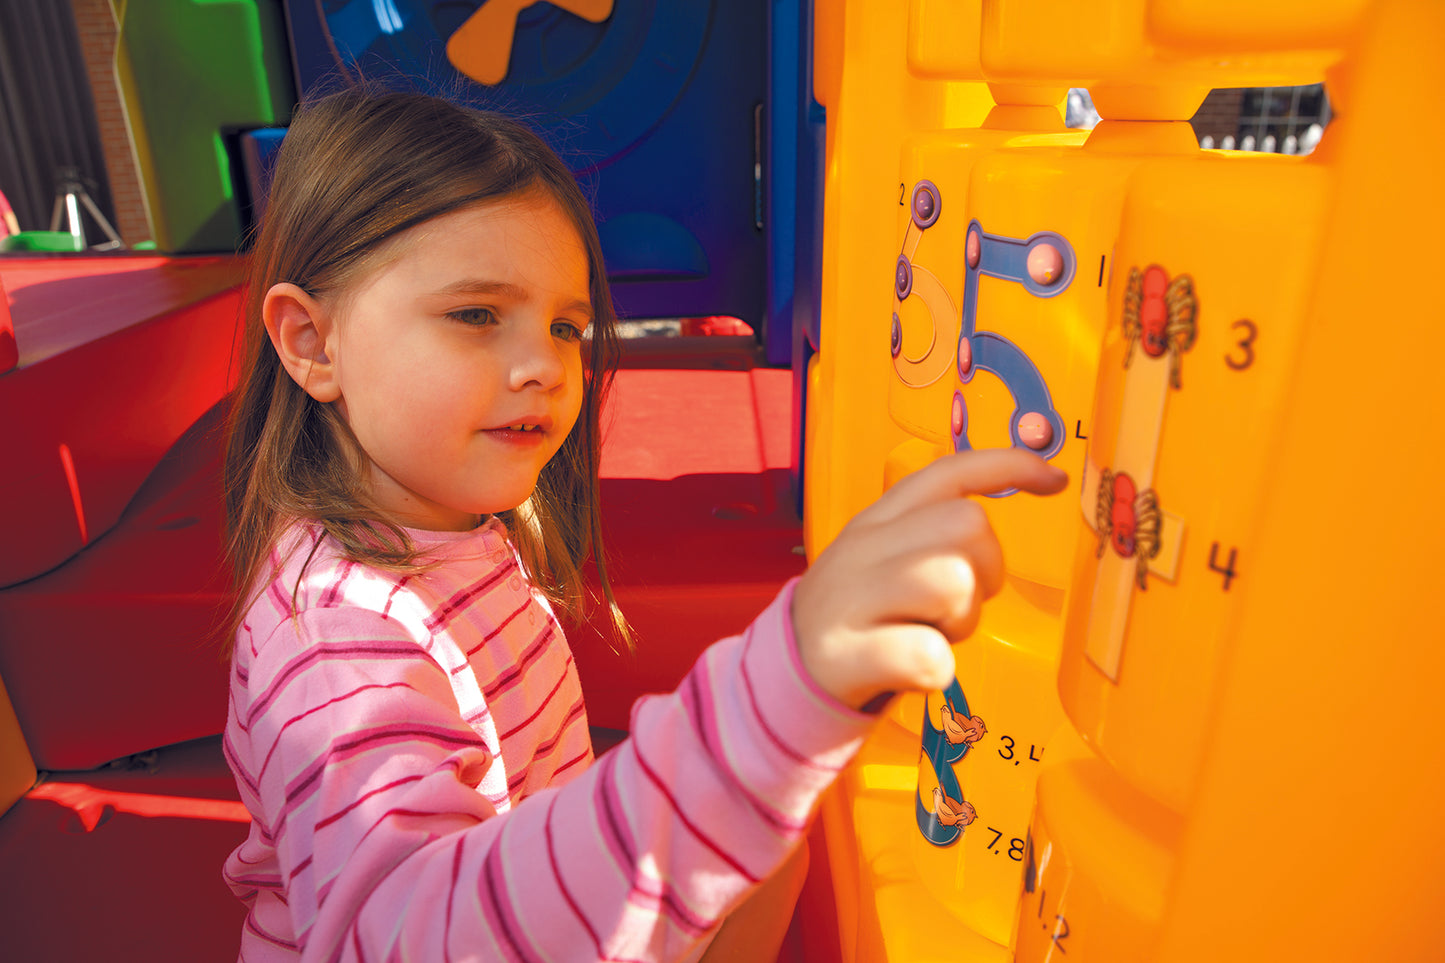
column 1015, row 849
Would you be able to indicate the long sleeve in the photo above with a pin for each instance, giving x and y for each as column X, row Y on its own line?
column 365, row 781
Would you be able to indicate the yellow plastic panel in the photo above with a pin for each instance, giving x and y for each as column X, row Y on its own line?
column 1106, row 45
column 816, row 439
column 878, row 101
column 827, row 51
column 17, row 768
column 1235, row 25
column 1064, row 38
column 1262, row 778
column 1099, row 862
column 1318, row 808
column 1206, row 308
column 943, row 38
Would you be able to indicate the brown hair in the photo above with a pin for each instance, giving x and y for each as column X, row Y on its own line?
column 358, row 167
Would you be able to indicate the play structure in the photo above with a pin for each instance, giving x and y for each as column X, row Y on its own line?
column 1196, row 725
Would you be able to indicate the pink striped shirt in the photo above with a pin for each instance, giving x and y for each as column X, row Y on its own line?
column 384, row 737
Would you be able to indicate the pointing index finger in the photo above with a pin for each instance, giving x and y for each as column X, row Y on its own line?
column 972, row 473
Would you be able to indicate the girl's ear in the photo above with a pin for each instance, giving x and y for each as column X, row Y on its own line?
column 301, row 328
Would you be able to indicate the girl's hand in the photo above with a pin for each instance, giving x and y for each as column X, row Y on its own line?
column 876, row 612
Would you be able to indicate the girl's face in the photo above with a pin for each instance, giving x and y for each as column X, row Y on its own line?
column 459, row 360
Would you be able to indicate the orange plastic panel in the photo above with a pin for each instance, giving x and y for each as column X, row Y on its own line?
column 1230, row 617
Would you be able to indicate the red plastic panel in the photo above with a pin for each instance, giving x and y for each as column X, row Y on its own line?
column 117, row 358
column 698, row 513
column 59, row 302
column 9, row 353
column 124, row 864
column 116, row 651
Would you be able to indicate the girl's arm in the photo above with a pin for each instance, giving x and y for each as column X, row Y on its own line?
column 356, row 744
column 388, row 848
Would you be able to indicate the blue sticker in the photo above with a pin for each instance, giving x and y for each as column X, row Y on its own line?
column 944, row 746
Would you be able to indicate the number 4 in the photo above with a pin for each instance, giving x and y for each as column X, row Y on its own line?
column 1228, row 571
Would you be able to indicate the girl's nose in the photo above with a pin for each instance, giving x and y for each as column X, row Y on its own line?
column 538, row 362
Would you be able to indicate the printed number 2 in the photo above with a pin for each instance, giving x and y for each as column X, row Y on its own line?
column 1245, row 345
column 1061, row 933
column 1061, row 925
column 901, row 189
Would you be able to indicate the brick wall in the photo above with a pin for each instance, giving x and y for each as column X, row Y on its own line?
column 1218, row 116
column 96, row 26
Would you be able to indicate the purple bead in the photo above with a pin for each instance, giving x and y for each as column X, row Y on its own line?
column 926, row 203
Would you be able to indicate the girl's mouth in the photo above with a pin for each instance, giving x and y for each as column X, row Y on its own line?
column 524, row 433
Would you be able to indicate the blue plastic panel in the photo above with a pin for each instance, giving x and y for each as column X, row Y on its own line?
column 654, row 108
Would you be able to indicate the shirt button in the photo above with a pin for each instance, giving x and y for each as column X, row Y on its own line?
column 531, row 617
column 516, row 583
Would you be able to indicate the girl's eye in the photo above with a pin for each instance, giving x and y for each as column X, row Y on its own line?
column 566, row 330
column 474, row 316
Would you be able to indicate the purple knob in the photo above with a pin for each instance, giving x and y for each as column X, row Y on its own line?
column 903, row 277
column 926, row 203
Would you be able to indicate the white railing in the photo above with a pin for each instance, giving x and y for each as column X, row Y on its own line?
column 1302, row 144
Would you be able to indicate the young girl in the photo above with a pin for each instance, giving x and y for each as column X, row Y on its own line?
column 413, row 471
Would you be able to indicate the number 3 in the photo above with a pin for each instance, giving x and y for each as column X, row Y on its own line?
column 1246, row 345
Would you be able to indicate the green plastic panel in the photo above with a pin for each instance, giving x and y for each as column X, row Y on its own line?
column 192, row 72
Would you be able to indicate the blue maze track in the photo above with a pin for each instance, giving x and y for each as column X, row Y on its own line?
column 1006, row 258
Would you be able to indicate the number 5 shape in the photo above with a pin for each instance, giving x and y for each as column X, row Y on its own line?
column 1044, row 264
